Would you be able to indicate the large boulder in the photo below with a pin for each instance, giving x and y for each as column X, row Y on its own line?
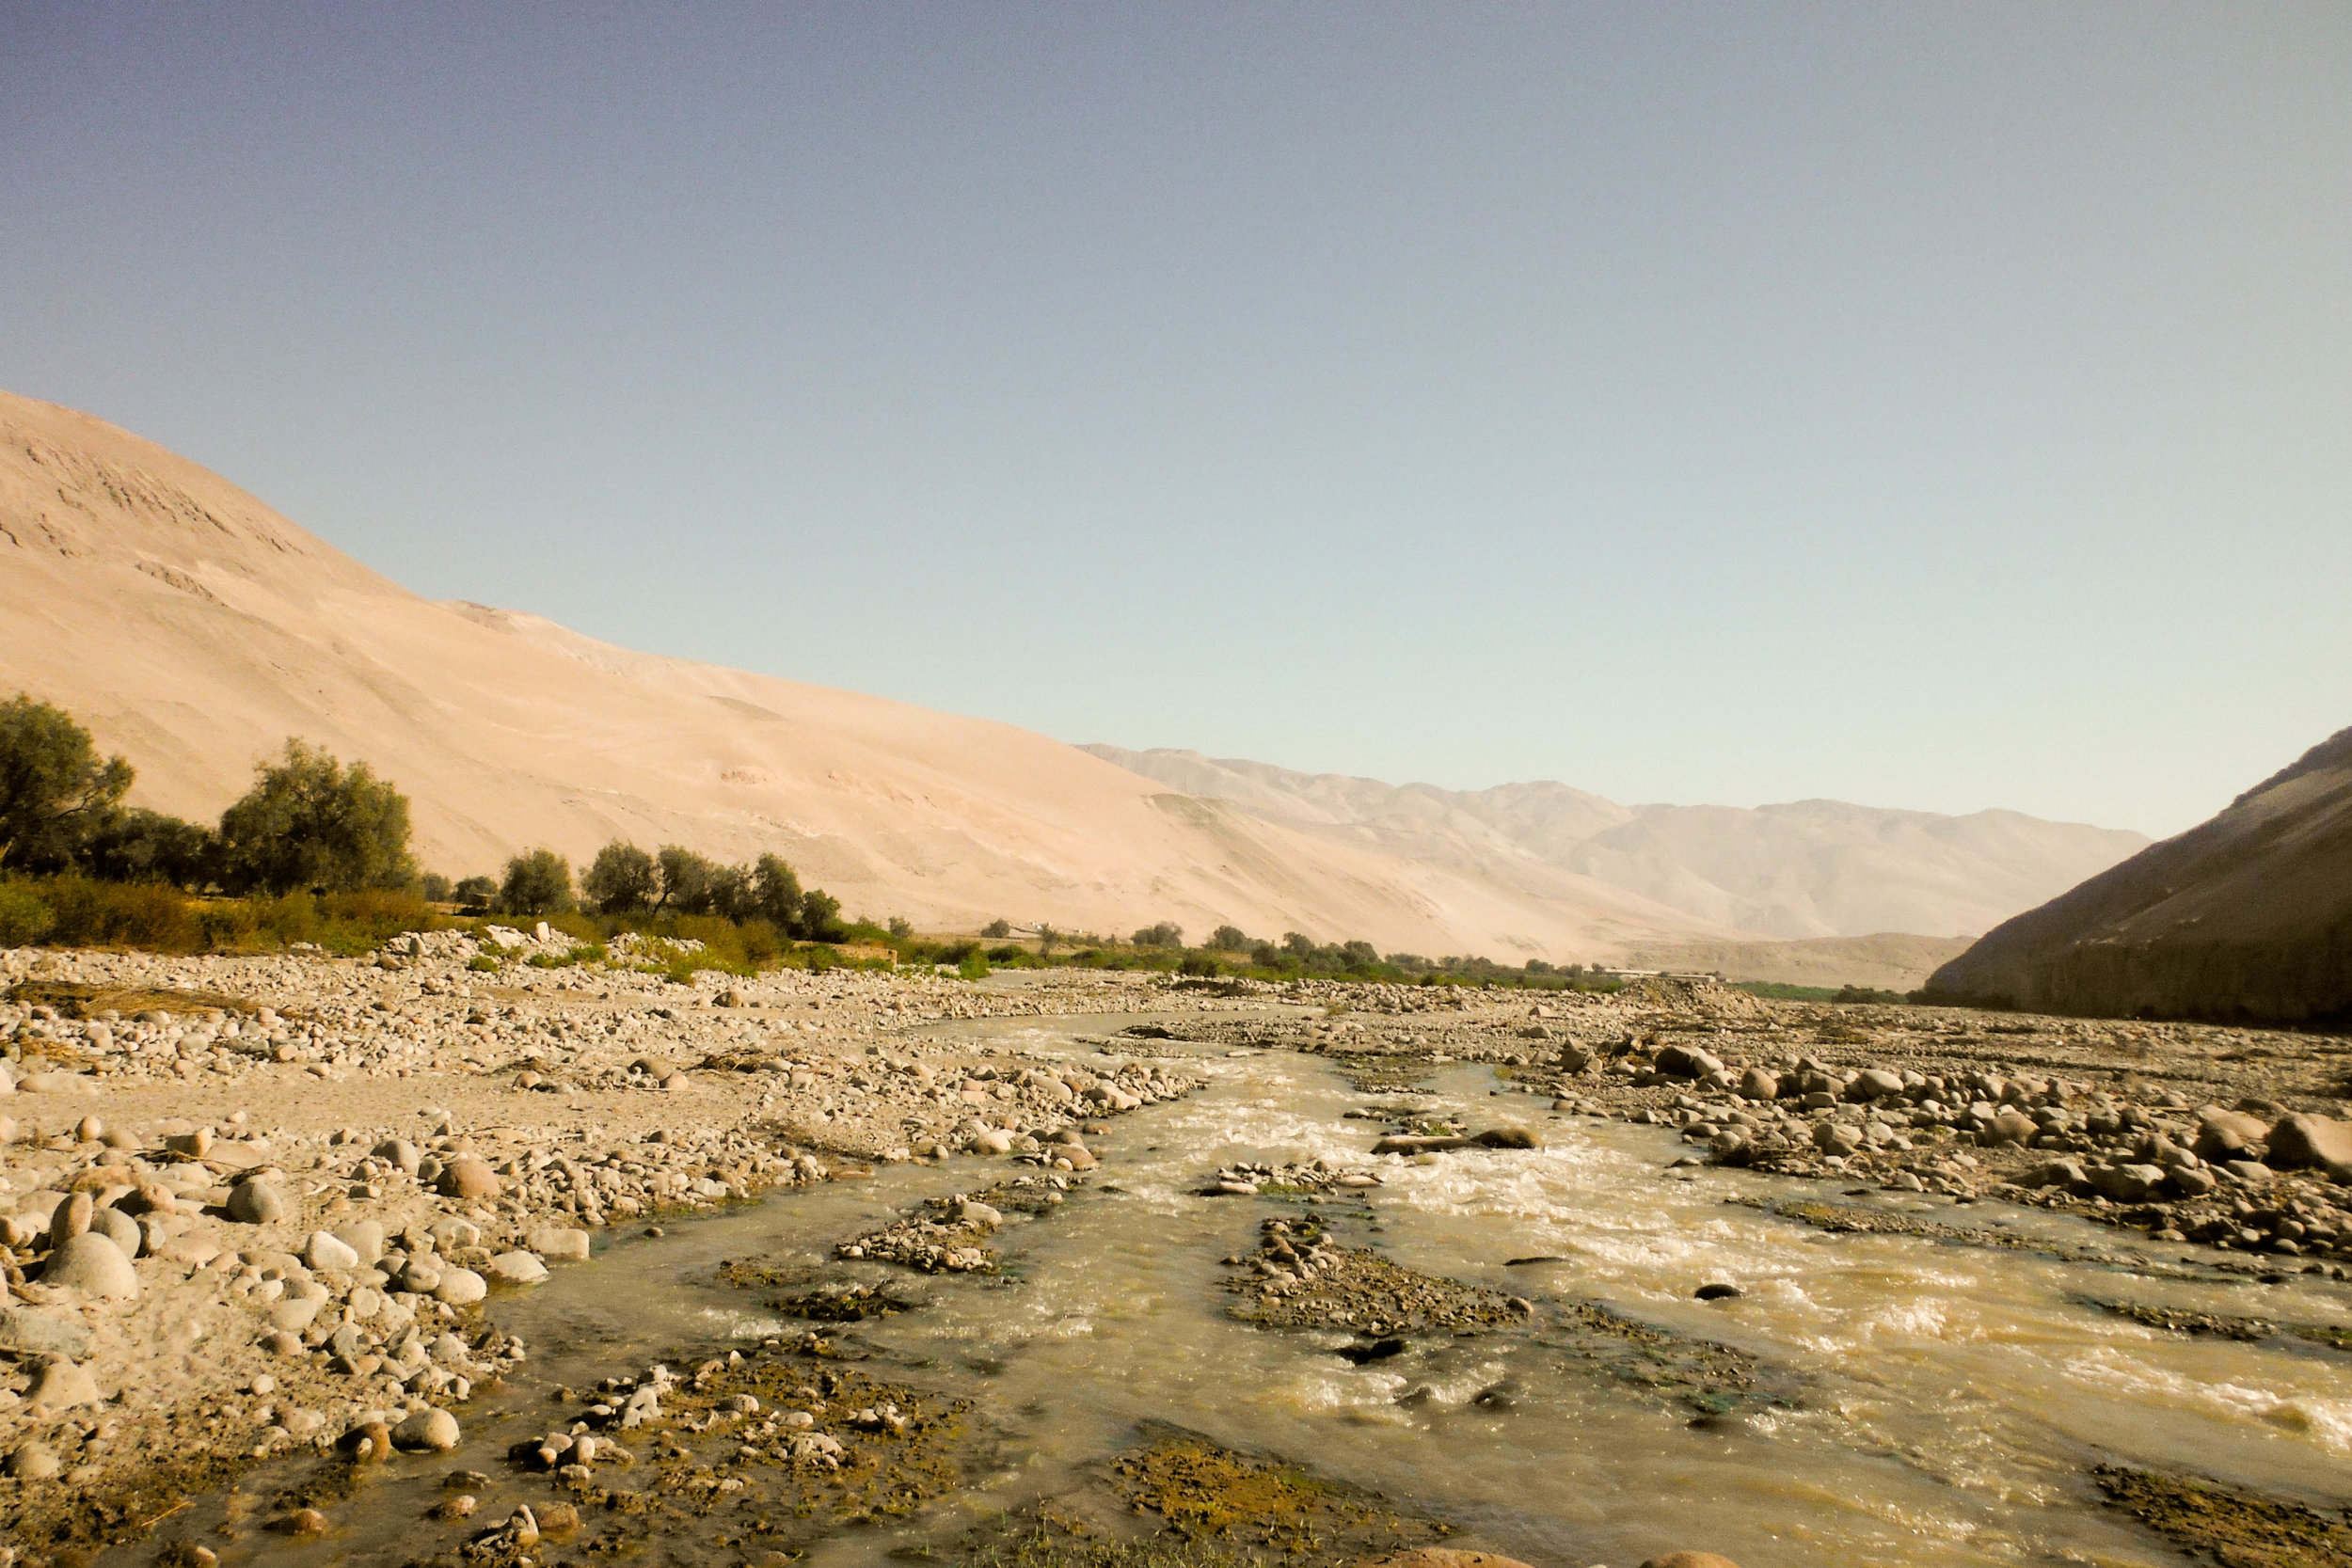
column 2127, row 1184
column 94, row 1265
column 2009, row 1126
column 431, row 1429
column 2306, row 1142
column 1874, row 1082
column 1687, row 1061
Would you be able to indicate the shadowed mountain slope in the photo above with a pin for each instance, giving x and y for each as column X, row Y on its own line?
column 2246, row 917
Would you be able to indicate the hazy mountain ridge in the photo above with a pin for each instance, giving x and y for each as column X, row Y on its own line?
column 2246, row 916
column 1804, row 870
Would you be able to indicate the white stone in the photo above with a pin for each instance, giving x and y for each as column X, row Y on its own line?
column 328, row 1252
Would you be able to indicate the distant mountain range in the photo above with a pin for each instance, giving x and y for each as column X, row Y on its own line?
column 2246, row 917
column 1808, row 869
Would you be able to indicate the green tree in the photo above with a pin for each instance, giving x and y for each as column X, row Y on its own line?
column 1229, row 939
column 686, row 880
column 310, row 822
column 730, row 892
column 433, row 888
column 475, row 893
column 538, row 882
column 776, row 895
column 1166, row 934
column 622, row 878
column 996, row 929
column 821, row 917
column 54, row 791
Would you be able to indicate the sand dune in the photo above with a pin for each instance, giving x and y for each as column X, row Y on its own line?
column 1805, row 870
column 193, row 629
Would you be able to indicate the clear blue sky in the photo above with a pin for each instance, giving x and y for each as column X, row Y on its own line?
column 1930, row 405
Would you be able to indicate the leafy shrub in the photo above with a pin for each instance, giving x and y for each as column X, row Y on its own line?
column 112, row 914
column 433, row 888
column 1166, row 934
column 24, row 918
column 974, row 965
column 475, row 893
column 482, row 963
column 996, row 929
column 142, row 845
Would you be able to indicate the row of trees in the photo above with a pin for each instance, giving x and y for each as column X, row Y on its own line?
column 310, row 823
column 307, row 822
column 624, row 880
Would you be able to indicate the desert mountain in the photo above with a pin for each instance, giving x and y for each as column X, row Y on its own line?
column 2246, row 917
column 1807, row 870
column 194, row 629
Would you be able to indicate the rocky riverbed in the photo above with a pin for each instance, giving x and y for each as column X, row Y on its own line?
column 258, row 1207
column 254, row 1204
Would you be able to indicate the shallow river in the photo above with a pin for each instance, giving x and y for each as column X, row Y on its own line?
column 1945, row 1403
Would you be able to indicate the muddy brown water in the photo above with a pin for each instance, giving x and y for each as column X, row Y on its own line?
column 1916, row 1401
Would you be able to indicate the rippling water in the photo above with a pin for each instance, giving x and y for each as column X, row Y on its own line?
column 1948, row 1402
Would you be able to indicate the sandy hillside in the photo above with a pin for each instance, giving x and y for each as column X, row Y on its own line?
column 194, row 629
column 2245, row 917
column 1805, row 870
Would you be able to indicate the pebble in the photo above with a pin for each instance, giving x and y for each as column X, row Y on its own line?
column 365, row 1238
column 557, row 1243
column 120, row 1228
column 370, row 1442
column 63, row 1385
column 72, row 1218
column 329, row 1253
column 33, row 1462
column 518, row 1268
column 468, row 1178
column 461, row 1288
column 256, row 1202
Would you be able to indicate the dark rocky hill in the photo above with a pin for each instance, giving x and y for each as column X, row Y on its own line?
column 2247, row 917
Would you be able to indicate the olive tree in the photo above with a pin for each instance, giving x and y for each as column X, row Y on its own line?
column 310, row 823
column 621, row 879
column 537, row 882
column 55, row 790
